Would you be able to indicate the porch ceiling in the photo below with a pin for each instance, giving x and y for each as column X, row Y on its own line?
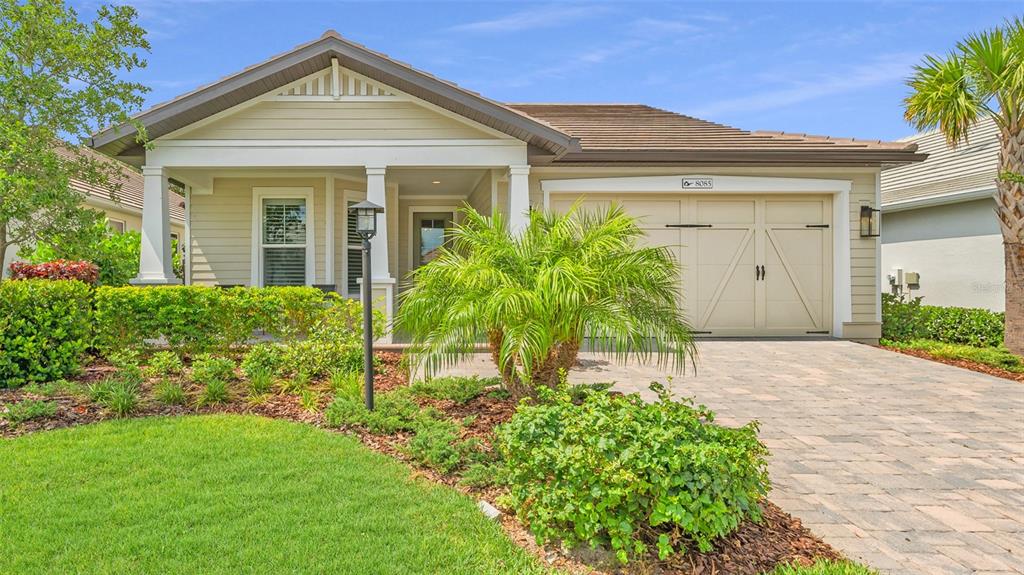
column 416, row 181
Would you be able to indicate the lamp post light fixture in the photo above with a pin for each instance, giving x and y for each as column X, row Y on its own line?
column 869, row 227
column 366, row 227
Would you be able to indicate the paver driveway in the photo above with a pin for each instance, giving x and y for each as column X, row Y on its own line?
column 908, row 465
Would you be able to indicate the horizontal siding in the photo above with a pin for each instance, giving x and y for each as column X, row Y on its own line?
column 385, row 120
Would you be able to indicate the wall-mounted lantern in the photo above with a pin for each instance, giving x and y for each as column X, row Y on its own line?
column 869, row 222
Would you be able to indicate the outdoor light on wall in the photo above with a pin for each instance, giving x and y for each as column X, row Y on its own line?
column 869, row 222
column 366, row 227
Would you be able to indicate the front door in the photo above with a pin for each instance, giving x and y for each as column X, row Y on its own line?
column 429, row 234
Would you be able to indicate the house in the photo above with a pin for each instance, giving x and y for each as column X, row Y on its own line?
column 765, row 223
column 939, row 226
column 123, row 207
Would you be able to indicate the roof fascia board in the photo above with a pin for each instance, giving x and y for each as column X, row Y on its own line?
column 932, row 201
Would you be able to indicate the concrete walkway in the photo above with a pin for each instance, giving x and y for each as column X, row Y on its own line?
column 908, row 465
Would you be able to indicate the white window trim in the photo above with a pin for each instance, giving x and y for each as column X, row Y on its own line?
column 258, row 195
column 347, row 250
column 124, row 224
column 413, row 210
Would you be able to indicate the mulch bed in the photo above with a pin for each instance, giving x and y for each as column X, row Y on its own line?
column 962, row 363
column 753, row 549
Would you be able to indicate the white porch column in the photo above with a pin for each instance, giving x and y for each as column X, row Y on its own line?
column 383, row 284
column 518, row 197
column 376, row 193
column 155, row 260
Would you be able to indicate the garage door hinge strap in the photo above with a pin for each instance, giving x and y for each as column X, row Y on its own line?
column 687, row 225
column 700, row 332
column 822, row 332
column 817, row 225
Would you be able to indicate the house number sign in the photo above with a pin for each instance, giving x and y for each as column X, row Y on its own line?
column 698, row 183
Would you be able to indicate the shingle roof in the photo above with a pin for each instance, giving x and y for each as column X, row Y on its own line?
column 131, row 192
column 969, row 167
column 641, row 127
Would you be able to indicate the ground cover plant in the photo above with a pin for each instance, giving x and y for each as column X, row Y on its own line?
column 906, row 319
column 302, row 500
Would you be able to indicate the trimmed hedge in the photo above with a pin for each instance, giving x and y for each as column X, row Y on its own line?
column 198, row 319
column 617, row 471
column 906, row 320
column 44, row 329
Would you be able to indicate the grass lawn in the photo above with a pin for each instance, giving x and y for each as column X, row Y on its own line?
column 231, row 494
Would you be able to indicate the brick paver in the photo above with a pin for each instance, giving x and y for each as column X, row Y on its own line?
column 908, row 465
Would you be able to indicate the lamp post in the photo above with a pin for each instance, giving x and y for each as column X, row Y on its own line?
column 366, row 227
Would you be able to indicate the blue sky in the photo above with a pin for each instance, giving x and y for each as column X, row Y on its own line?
column 822, row 67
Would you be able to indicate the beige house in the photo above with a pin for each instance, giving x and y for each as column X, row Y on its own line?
column 765, row 224
column 122, row 208
column 941, row 238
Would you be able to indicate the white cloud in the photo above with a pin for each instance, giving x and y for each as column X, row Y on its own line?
column 883, row 70
column 532, row 19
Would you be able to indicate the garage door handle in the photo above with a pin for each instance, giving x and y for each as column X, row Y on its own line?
column 758, row 272
column 687, row 225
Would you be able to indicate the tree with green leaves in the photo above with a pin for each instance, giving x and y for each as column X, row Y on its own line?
column 60, row 79
column 537, row 297
column 983, row 78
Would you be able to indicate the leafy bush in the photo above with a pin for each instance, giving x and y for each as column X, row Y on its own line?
column 393, row 412
column 215, row 391
column 434, row 445
column 620, row 472
column 44, row 329
column 29, row 409
column 207, row 368
column 115, row 254
column 265, row 357
column 82, row 271
column 169, row 392
column 906, row 320
column 483, row 475
column 320, row 357
column 295, row 383
column 347, row 384
column 164, row 363
column 196, row 319
column 309, row 400
column 824, row 568
column 457, row 389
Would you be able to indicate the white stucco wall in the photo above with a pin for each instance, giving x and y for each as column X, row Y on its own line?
column 956, row 248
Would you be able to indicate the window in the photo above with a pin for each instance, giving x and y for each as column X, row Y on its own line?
column 116, row 225
column 284, row 241
column 431, row 239
column 354, row 247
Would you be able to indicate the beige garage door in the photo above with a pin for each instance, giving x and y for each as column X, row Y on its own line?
column 751, row 265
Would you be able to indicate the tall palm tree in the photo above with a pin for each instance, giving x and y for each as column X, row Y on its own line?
column 535, row 296
column 984, row 78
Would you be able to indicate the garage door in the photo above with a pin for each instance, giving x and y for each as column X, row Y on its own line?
column 751, row 266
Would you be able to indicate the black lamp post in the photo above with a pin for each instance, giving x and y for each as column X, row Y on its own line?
column 366, row 227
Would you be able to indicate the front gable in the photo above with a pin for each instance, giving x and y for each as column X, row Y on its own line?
column 335, row 104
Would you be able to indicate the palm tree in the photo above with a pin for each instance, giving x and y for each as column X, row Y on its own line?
column 984, row 78
column 535, row 296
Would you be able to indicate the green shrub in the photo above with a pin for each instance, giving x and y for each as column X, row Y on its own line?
column 197, row 319
column 260, row 382
column 309, row 400
column 123, row 358
column 215, row 391
column 164, row 363
column 617, row 471
column 824, row 568
column 457, row 389
column 207, row 368
column 906, row 320
column 115, row 254
column 28, row 409
column 45, row 329
column 295, row 384
column 318, row 357
column 264, row 357
column 169, row 392
column 434, row 445
column 393, row 412
column 999, row 357
column 55, row 388
column 482, row 475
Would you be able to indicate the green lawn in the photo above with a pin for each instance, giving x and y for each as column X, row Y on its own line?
column 231, row 494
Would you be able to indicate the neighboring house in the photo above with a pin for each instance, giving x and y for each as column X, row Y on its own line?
column 938, row 222
column 765, row 223
column 123, row 207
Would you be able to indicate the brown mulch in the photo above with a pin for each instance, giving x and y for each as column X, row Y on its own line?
column 753, row 549
column 962, row 363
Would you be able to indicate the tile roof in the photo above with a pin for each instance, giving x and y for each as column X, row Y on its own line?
column 129, row 196
column 641, row 127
